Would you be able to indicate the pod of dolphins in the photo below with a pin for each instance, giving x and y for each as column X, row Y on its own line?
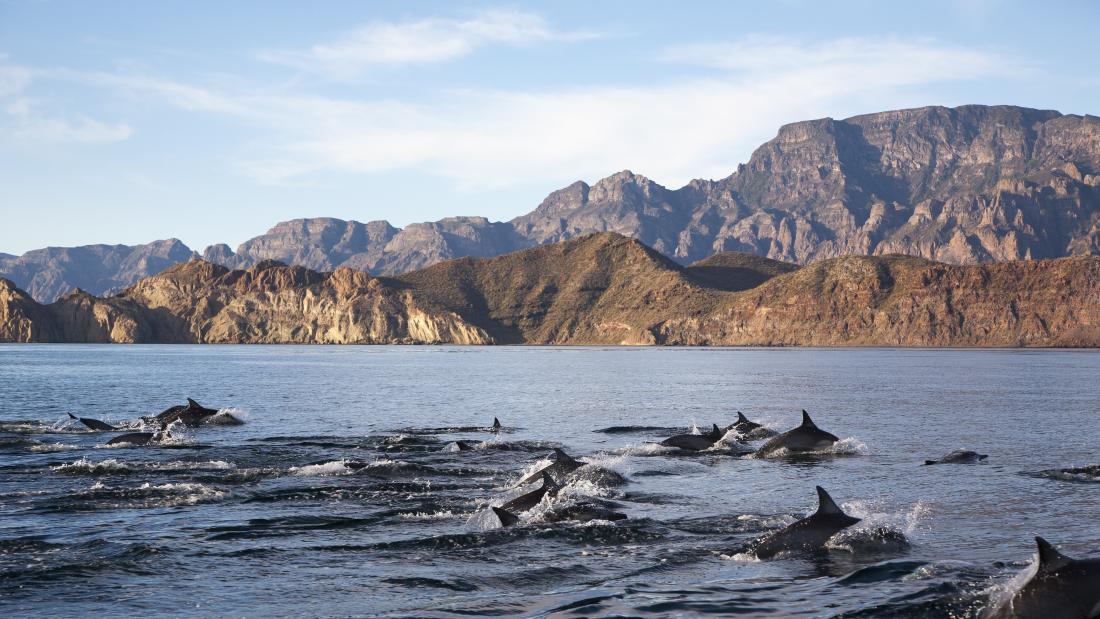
column 191, row 415
column 1059, row 587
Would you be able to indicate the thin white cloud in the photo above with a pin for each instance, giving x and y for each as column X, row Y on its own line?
column 26, row 125
column 418, row 42
column 13, row 79
column 23, row 122
column 672, row 131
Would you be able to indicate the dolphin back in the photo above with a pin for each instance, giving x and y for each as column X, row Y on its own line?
column 1060, row 587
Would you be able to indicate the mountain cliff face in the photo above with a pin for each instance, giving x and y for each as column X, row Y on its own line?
column 959, row 185
column 200, row 302
column 598, row 289
column 49, row 273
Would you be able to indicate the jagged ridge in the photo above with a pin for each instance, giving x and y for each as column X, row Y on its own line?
column 959, row 185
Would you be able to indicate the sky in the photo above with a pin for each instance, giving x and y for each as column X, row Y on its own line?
column 126, row 122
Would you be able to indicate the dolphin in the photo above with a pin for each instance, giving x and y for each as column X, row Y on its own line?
column 140, row 439
column 192, row 414
column 750, row 429
column 525, row 502
column 459, row 446
column 1060, row 587
column 694, row 442
column 959, row 456
column 496, row 427
column 94, row 424
column 562, row 466
column 806, row 437
column 581, row 512
column 808, row 534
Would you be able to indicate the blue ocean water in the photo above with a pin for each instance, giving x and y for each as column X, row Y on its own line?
column 342, row 494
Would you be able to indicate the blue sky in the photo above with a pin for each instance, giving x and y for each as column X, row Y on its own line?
column 125, row 122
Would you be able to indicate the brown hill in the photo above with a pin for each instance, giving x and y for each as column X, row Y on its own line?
column 906, row 301
column 600, row 289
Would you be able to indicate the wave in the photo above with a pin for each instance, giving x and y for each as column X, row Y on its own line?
column 84, row 466
column 279, row 527
column 661, row 430
column 102, row 497
column 1086, row 474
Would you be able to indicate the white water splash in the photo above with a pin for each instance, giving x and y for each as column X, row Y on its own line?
column 52, row 447
column 84, row 465
column 442, row 515
column 335, row 467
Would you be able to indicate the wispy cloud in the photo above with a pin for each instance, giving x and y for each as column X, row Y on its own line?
column 908, row 60
column 13, row 79
column 23, row 121
column 673, row 131
column 419, row 42
column 25, row 124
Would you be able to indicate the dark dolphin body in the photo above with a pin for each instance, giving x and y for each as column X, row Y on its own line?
column 748, row 429
column 525, row 502
column 461, row 446
column 191, row 414
column 562, row 466
column 694, row 442
column 139, row 439
column 581, row 512
column 959, row 456
column 806, row 437
column 808, row 534
column 1061, row 587
column 94, row 424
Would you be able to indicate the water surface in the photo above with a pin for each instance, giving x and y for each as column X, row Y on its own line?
column 339, row 495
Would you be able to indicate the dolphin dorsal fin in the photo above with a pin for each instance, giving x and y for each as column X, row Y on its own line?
column 193, row 404
column 548, row 482
column 715, row 432
column 496, row 423
column 73, row 416
column 561, row 456
column 806, row 421
column 826, row 504
column 741, row 418
column 1049, row 557
column 506, row 517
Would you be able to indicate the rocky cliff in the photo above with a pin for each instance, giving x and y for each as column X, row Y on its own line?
column 598, row 289
column 200, row 302
column 959, row 185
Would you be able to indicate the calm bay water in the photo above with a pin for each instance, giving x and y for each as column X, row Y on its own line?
column 339, row 495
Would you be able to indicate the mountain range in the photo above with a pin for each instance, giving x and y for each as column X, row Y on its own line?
column 603, row 288
column 962, row 186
